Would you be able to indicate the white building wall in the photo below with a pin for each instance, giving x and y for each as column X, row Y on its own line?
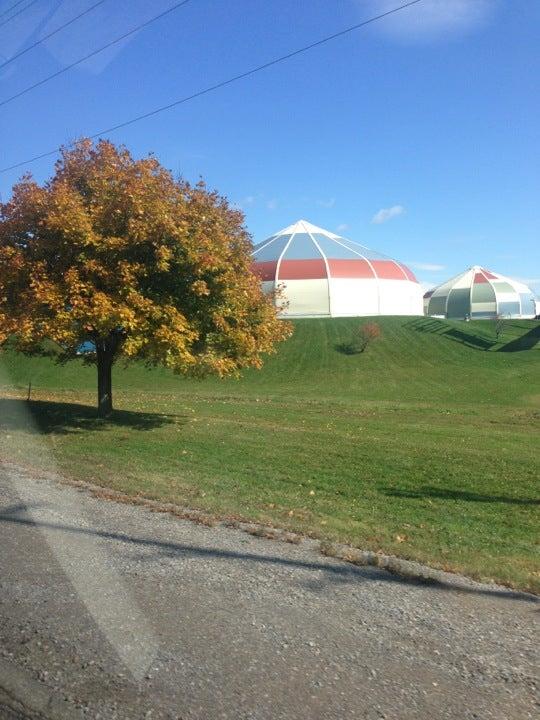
column 306, row 297
column 400, row 297
column 349, row 297
column 354, row 297
column 485, row 307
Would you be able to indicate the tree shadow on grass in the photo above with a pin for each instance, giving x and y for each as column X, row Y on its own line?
column 439, row 327
column 472, row 341
column 428, row 491
column 49, row 417
column 525, row 342
column 348, row 348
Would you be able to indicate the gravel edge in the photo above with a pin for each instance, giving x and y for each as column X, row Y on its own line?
column 406, row 569
column 24, row 697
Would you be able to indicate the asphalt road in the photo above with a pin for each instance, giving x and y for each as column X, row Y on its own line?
column 120, row 612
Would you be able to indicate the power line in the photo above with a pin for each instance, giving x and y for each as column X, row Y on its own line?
column 93, row 53
column 6, row 12
column 18, row 12
column 47, row 37
column 223, row 83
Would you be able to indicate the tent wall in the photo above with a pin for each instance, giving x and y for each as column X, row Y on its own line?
column 479, row 293
column 342, row 297
column 323, row 274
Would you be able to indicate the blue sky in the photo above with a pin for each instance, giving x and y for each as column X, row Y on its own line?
column 417, row 136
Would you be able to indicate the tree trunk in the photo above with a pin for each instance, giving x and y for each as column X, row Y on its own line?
column 105, row 357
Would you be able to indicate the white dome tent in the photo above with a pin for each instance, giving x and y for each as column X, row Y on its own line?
column 479, row 293
column 324, row 275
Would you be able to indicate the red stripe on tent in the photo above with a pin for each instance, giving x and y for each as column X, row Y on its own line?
column 302, row 269
column 265, row 270
column 388, row 270
column 408, row 273
column 315, row 269
column 489, row 275
column 480, row 278
column 350, row 269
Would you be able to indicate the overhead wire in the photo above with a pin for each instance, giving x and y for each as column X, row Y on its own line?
column 9, row 9
column 221, row 84
column 51, row 34
column 11, row 17
column 93, row 53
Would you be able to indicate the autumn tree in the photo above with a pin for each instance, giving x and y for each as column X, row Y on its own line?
column 115, row 253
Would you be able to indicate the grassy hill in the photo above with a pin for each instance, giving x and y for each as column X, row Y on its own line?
column 424, row 446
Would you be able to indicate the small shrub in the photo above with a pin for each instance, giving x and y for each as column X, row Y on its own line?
column 362, row 337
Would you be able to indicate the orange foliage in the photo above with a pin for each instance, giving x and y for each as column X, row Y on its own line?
column 365, row 335
column 115, row 251
column 370, row 331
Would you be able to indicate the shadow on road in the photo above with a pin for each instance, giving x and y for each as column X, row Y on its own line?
column 61, row 418
column 443, row 494
column 335, row 573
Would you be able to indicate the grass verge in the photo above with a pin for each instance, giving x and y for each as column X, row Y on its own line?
column 423, row 447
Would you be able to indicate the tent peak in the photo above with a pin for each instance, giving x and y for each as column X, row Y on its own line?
column 304, row 226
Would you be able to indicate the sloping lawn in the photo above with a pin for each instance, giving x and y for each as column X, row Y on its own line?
column 424, row 446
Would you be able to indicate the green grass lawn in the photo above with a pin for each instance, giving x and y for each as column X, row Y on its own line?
column 425, row 446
